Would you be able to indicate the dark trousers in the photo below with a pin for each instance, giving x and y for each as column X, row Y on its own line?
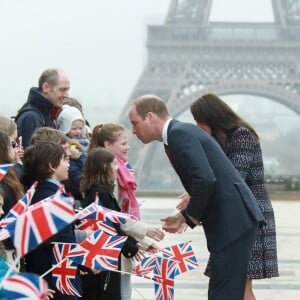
column 229, row 268
column 103, row 286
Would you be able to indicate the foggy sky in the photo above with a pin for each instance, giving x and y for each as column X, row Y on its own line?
column 99, row 43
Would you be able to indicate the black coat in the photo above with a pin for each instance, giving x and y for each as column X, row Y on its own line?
column 106, row 285
column 35, row 113
column 39, row 260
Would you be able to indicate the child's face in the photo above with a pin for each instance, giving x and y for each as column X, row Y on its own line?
column 121, row 146
column 1, row 206
column 61, row 172
column 76, row 129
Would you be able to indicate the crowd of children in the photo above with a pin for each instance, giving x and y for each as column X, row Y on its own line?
column 89, row 165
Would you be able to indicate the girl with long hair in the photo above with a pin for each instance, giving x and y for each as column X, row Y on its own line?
column 98, row 179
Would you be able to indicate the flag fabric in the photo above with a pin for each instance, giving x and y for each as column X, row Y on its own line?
column 20, row 207
column 91, row 212
column 24, row 203
column 117, row 217
column 164, row 274
column 4, row 234
column 86, row 223
column 99, row 213
column 146, row 267
column 40, row 222
column 65, row 275
column 183, row 254
column 25, row 286
column 4, row 169
column 108, row 227
column 99, row 251
column 112, row 215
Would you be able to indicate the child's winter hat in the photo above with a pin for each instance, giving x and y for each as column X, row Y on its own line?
column 67, row 116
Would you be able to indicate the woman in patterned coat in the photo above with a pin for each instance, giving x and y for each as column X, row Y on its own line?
column 241, row 144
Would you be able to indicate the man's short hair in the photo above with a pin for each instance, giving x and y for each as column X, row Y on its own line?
column 151, row 103
column 50, row 76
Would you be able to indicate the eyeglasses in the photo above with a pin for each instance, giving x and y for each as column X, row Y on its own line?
column 14, row 144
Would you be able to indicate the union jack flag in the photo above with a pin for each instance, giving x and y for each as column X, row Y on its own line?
column 65, row 274
column 117, row 217
column 99, row 251
column 146, row 267
column 4, row 234
column 25, row 286
column 86, row 223
column 164, row 274
column 4, row 169
column 40, row 222
column 20, row 207
column 91, row 212
column 106, row 226
column 183, row 254
column 112, row 215
column 99, row 213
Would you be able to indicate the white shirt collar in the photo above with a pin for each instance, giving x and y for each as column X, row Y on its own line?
column 165, row 131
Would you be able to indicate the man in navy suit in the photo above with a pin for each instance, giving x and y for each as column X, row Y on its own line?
column 220, row 200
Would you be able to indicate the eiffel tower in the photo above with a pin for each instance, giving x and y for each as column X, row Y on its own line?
column 189, row 56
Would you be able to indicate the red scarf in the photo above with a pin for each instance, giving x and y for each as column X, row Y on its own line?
column 53, row 115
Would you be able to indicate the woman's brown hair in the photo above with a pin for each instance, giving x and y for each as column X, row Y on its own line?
column 97, row 170
column 105, row 132
column 8, row 125
column 11, row 179
column 210, row 110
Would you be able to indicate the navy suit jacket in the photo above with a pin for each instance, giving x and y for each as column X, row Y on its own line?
column 219, row 197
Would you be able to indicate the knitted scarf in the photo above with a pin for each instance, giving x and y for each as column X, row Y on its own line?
column 127, row 186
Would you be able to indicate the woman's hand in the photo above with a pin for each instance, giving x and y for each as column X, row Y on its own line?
column 155, row 233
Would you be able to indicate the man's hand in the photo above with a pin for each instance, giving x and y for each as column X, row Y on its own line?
column 174, row 223
column 185, row 199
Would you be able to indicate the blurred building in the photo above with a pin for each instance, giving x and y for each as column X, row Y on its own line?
column 188, row 56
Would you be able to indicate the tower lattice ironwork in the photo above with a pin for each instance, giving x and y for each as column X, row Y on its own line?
column 189, row 55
